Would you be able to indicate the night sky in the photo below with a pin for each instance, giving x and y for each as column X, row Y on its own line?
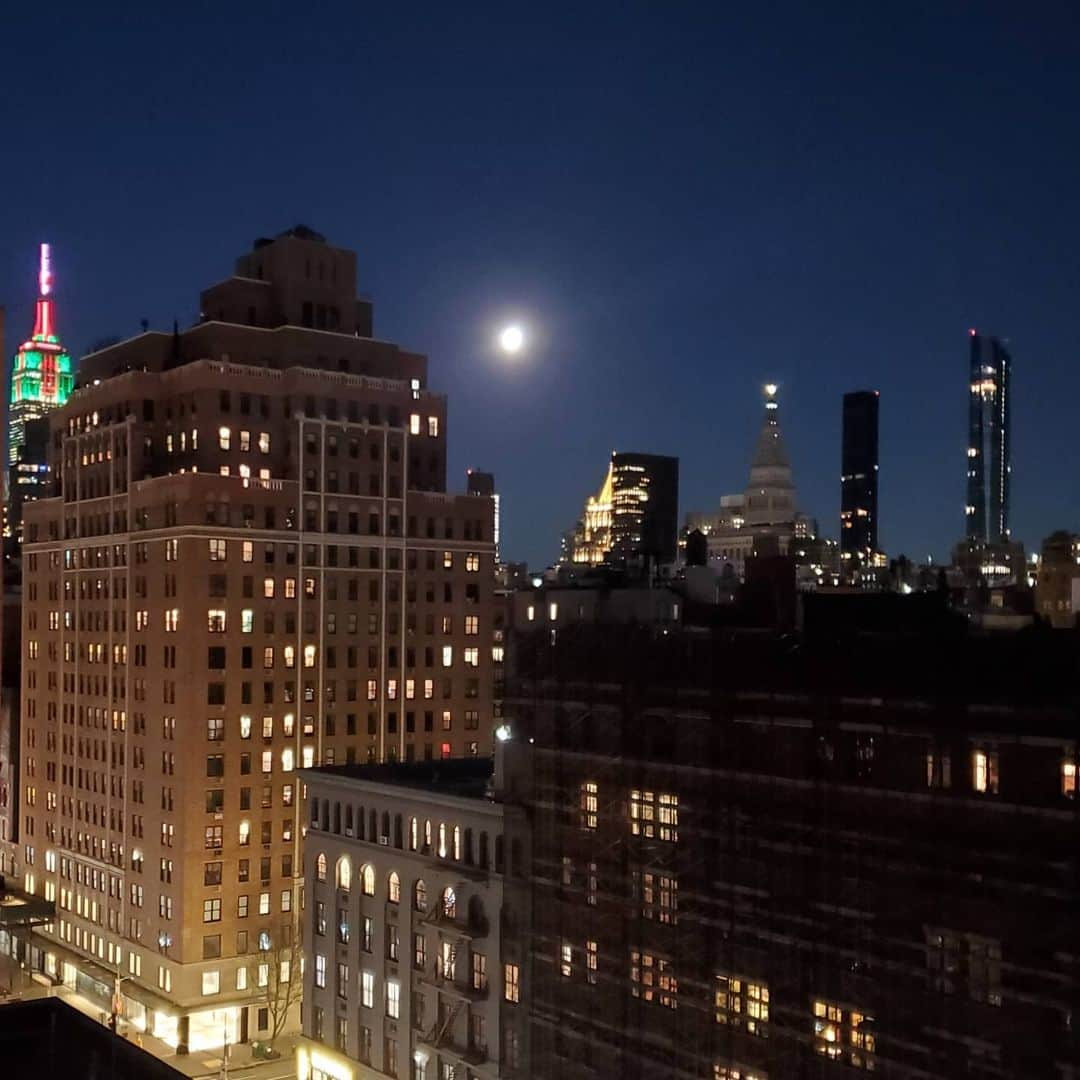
column 680, row 201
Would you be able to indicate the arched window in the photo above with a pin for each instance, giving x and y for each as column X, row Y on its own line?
column 420, row 896
column 393, row 888
column 442, row 839
column 320, row 867
column 367, row 879
column 414, row 834
column 449, row 902
column 344, row 873
column 427, row 834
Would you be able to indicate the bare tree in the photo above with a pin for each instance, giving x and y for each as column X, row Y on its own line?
column 284, row 983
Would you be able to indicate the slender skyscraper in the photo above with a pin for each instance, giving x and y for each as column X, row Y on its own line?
column 989, row 452
column 859, row 475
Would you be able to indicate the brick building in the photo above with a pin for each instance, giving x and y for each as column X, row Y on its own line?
column 249, row 565
column 761, row 857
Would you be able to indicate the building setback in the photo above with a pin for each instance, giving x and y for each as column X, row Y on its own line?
column 750, row 860
column 249, row 564
column 859, row 476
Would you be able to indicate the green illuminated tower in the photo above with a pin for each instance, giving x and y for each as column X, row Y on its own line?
column 41, row 375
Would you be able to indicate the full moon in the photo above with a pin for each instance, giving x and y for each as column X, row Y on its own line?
column 511, row 338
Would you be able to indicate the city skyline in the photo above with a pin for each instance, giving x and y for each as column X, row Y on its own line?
column 686, row 277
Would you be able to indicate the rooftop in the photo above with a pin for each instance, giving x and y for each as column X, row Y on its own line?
column 48, row 1037
column 465, row 778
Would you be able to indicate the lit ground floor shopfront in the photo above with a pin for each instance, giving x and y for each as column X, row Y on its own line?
column 137, row 1008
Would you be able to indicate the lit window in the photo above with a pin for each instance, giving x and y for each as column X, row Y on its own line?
column 984, row 768
column 654, row 816
column 245, row 726
column 172, row 620
column 245, row 833
column 211, row 983
column 264, row 442
column 343, row 873
column 553, row 611
column 224, row 438
column 433, row 426
column 511, row 983
column 530, row 613
column 592, row 958
column 289, row 653
column 247, row 621
column 308, row 756
column 217, row 550
column 309, row 656
column 268, row 588
column 1068, row 779
column 245, row 441
column 320, row 970
column 938, row 770
column 652, row 979
column 367, row 989
column 367, row 880
column 320, row 867
column 393, row 999
column 844, row 1034
column 589, row 804
column 287, row 759
column 447, row 655
column 215, row 621
column 248, row 551
column 566, row 960
column 742, row 1004
column 472, row 562
column 659, row 896
column 414, row 424
column 393, row 888
column 472, row 657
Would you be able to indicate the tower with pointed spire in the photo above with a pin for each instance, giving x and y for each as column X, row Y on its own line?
column 763, row 519
column 770, row 493
column 41, row 373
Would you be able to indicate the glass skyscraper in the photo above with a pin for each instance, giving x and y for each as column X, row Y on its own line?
column 989, row 451
column 859, row 475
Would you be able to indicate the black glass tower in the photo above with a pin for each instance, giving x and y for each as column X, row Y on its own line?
column 859, row 475
column 645, row 501
column 989, row 451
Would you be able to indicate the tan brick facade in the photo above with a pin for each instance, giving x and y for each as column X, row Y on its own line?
column 250, row 565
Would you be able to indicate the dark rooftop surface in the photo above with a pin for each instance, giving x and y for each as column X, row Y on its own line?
column 1031, row 670
column 49, row 1038
column 467, row 778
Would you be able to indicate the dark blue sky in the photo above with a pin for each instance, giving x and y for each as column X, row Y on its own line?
column 684, row 201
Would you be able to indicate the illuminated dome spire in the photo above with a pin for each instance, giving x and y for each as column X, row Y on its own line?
column 770, row 494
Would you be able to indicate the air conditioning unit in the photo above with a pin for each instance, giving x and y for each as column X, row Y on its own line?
column 384, row 841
